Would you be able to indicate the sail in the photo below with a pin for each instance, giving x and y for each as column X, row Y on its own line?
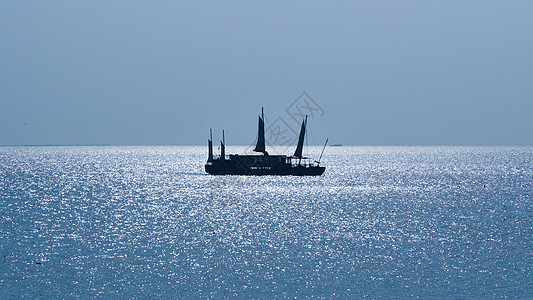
column 210, row 147
column 260, row 146
column 300, row 147
column 223, row 147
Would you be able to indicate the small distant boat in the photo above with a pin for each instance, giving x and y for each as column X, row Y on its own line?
column 264, row 164
column 336, row 145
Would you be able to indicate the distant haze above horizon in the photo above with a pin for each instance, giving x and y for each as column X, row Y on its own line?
column 366, row 73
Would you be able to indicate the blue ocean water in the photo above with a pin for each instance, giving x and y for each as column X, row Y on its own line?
column 382, row 222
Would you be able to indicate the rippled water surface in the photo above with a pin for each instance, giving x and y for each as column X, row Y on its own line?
column 381, row 222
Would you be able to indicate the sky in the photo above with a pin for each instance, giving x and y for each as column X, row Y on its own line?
column 165, row 72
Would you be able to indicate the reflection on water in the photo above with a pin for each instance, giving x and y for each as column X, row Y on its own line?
column 381, row 222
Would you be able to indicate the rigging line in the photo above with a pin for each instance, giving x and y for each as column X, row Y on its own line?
column 269, row 127
column 269, row 130
column 312, row 137
column 215, row 137
column 306, row 139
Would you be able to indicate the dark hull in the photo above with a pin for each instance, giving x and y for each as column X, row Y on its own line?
column 240, row 166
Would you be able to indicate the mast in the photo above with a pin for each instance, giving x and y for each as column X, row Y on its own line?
column 210, row 146
column 260, row 146
column 223, row 147
column 300, row 147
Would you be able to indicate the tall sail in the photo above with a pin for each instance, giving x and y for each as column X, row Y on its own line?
column 222, row 147
column 300, row 147
column 210, row 146
column 260, row 146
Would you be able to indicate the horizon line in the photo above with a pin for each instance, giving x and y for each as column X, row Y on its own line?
column 191, row 145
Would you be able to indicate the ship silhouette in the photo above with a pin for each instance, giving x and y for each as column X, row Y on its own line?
column 264, row 163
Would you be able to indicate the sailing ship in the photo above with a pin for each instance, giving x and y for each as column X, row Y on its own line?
column 264, row 163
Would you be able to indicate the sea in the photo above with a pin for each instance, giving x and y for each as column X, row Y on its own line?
column 382, row 222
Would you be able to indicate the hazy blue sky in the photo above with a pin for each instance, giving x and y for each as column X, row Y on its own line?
column 164, row 72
